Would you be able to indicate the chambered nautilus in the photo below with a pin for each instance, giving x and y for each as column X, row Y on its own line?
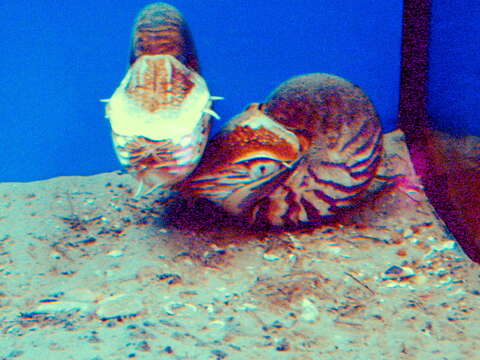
column 312, row 148
column 160, row 113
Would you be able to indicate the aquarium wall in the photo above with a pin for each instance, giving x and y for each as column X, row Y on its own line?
column 454, row 67
column 59, row 59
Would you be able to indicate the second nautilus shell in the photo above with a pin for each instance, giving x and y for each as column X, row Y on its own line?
column 312, row 148
column 160, row 113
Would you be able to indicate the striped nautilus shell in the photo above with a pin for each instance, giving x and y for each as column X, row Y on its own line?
column 310, row 150
column 160, row 113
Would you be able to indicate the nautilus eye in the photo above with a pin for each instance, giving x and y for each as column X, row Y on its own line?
column 160, row 113
column 259, row 169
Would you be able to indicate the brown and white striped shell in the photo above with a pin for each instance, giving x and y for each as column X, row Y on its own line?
column 160, row 113
column 310, row 150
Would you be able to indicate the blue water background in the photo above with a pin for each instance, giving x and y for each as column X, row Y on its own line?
column 60, row 57
column 454, row 67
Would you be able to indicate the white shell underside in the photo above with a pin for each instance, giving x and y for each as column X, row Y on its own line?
column 175, row 115
column 160, row 119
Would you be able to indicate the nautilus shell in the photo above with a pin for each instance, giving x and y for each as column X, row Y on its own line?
column 160, row 113
column 312, row 148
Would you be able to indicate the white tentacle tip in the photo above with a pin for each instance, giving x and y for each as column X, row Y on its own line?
column 144, row 191
column 212, row 113
column 217, row 98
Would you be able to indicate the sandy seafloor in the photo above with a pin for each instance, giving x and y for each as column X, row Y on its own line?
column 89, row 273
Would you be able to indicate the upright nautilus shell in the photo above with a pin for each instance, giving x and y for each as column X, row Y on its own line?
column 160, row 113
column 310, row 150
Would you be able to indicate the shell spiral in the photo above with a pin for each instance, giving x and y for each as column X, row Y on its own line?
column 160, row 113
column 312, row 148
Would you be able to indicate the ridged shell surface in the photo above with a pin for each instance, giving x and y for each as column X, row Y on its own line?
column 161, row 29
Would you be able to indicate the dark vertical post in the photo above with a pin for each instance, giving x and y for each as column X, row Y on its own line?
column 440, row 159
column 413, row 119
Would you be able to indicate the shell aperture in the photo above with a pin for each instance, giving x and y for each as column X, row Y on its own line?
column 249, row 153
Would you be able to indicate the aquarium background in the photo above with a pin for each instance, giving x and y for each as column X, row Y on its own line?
column 60, row 58
column 454, row 67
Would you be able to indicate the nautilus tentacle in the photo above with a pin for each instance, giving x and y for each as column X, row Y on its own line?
column 311, row 149
column 160, row 113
